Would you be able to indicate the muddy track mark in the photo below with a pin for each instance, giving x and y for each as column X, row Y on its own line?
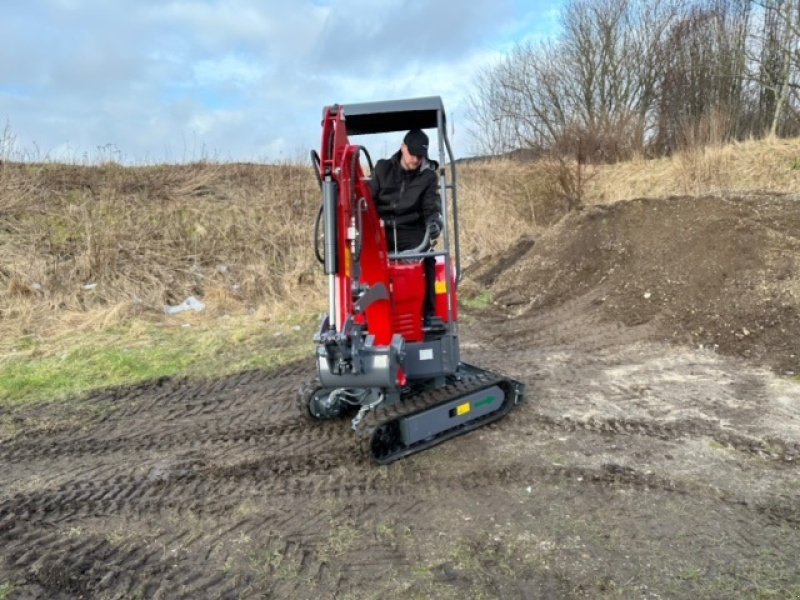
column 188, row 485
column 289, row 433
column 87, row 565
column 769, row 449
column 187, row 397
column 212, row 490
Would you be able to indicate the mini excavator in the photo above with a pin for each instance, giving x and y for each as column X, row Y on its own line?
column 399, row 378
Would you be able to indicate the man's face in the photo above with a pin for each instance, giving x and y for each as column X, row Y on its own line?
column 409, row 162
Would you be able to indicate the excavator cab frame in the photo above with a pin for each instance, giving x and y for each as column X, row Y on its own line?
column 391, row 116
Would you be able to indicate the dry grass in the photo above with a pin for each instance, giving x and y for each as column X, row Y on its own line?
column 765, row 165
column 83, row 248
column 93, row 246
column 502, row 199
column 496, row 205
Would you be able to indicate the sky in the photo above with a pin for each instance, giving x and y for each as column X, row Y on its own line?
column 154, row 81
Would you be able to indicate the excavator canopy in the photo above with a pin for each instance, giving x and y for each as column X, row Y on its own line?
column 394, row 115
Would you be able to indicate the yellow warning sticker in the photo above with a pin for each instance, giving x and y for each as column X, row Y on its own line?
column 463, row 409
column 441, row 287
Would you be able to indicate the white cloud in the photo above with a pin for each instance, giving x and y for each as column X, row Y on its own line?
column 228, row 69
column 215, row 121
column 242, row 79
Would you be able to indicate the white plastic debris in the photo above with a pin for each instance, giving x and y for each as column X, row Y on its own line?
column 89, row 286
column 191, row 303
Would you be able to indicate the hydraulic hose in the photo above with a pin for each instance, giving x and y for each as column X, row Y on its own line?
column 317, row 252
column 359, row 203
column 316, row 163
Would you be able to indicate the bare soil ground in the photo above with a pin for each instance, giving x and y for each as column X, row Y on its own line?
column 656, row 456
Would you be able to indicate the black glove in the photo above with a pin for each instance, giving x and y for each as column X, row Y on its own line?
column 434, row 225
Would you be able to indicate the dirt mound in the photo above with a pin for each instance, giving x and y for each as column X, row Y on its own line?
column 717, row 272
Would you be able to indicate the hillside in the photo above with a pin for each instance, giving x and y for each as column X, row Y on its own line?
column 79, row 238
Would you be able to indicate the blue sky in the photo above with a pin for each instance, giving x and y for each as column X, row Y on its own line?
column 152, row 81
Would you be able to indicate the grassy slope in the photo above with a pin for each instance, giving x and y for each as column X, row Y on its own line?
column 69, row 365
column 771, row 165
column 239, row 236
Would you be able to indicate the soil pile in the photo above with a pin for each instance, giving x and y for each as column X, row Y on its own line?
column 715, row 272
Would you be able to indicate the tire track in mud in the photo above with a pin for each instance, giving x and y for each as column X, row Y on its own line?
column 292, row 450
column 242, row 415
column 769, row 449
column 215, row 447
column 214, row 489
column 190, row 398
column 181, row 564
column 185, row 564
column 93, row 565
column 251, row 412
column 246, row 400
column 291, row 432
column 87, row 565
column 42, row 549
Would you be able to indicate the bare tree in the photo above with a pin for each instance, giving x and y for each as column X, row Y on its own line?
column 702, row 75
column 598, row 80
column 520, row 101
column 778, row 63
column 632, row 75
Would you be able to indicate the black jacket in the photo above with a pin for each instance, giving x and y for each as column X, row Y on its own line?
column 405, row 199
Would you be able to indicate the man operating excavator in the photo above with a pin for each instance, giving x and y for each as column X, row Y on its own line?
column 404, row 188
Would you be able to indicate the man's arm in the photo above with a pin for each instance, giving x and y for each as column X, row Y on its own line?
column 431, row 202
column 432, row 207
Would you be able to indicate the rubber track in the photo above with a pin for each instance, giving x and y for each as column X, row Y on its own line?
column 416, row 403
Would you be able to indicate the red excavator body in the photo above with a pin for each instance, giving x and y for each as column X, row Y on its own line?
column 376, row 354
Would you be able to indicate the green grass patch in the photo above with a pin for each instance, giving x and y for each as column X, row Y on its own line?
column 56, row 370
column 6, row 589
column 481, row 301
